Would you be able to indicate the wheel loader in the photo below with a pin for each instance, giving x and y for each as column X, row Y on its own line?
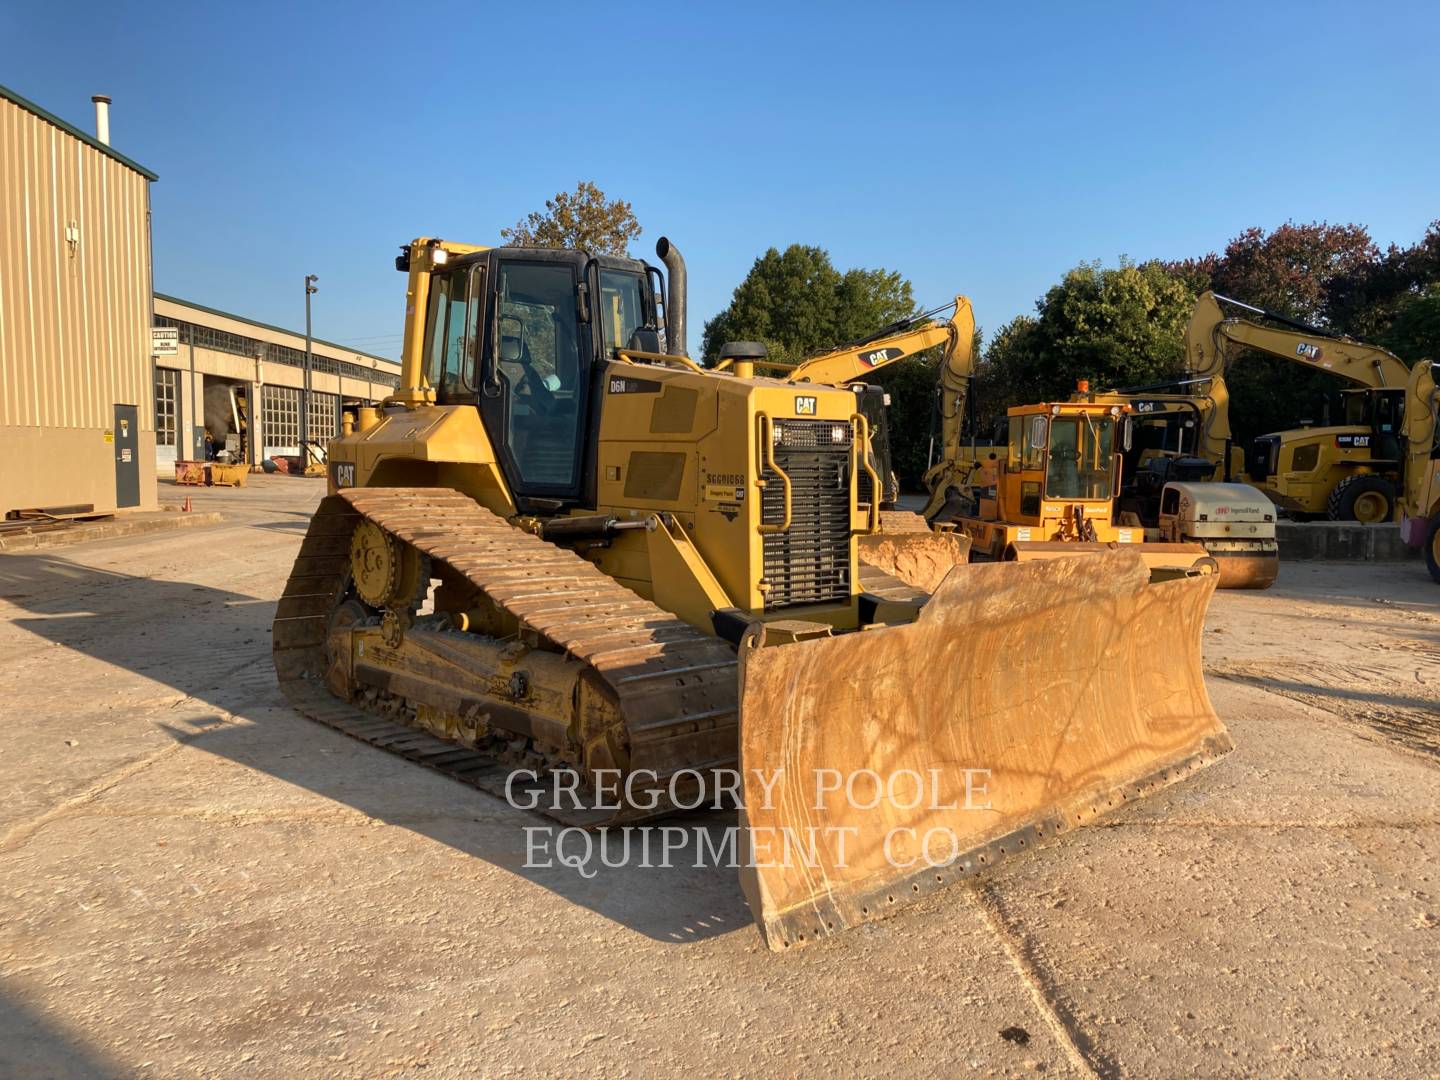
column 562, row 549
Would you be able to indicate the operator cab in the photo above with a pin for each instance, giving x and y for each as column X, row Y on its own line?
column 522, row 333
column 1058, row 456
column 1383, row 412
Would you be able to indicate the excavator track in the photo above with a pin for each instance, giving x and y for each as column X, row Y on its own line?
column 676, row 688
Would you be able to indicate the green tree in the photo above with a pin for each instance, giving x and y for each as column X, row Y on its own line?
column 1414, row 334
column 583, row 219
column 798, row 304
column 1366, row 300
column 1289, row 269
column 1121, row 326
column 1294, row 270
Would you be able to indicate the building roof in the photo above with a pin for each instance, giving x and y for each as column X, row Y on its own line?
column 275, row 329
column 71, row 129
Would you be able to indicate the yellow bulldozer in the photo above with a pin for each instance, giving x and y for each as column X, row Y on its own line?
column 562, row 549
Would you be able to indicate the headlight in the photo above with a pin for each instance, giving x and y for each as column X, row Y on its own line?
column 839, row 432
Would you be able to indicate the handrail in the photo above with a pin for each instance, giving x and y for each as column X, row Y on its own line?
column 630, row 356
column 862, row 461
column 767, row 451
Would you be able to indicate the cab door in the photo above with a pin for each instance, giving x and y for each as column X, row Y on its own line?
column 535, row 394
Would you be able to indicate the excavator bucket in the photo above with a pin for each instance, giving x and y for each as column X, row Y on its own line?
column 1027, row 699
column 907, row 548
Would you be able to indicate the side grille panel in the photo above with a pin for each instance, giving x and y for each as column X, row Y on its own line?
column 810, row 562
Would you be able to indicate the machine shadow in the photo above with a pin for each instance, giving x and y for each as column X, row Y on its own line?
column 32, row 1047
column 76, row 606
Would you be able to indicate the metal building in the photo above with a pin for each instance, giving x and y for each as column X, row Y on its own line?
column 232, row 387
column 77, row 425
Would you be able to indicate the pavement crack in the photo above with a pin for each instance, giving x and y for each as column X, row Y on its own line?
column 17, row 835
column 1078, row 1045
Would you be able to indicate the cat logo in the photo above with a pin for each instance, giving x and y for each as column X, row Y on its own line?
column 344, row 474
column 875, row 357
column 805, row 406
column 1308, row 351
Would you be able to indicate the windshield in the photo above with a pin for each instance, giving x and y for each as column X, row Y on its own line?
column 539, row 362
column 621, row 312
column 1081, row 458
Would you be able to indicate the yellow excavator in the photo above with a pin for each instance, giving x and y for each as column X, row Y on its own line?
column 563, row 551
column 1347, row 472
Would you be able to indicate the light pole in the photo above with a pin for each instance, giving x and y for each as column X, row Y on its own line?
column 310, row 291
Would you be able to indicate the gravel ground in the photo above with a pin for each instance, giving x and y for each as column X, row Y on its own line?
column 196, row 881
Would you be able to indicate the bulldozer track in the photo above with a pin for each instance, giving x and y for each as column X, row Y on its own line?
column 677, row 687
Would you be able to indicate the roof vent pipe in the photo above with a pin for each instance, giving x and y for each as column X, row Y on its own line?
column 102, row 118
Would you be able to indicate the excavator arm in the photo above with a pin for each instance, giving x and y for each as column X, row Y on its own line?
column 1212, row 339
column 1420, row 499
column 887, row 346
column 956, row 370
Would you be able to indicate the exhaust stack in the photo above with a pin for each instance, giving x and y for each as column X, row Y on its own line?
column 102, row 118
column 676, row 300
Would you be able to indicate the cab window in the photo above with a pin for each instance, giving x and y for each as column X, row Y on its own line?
column 538, row 363
column 621, row 309
column 1081, row 461
column 450, row 339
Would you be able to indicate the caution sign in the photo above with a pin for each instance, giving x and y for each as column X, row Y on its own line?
column 164, row 340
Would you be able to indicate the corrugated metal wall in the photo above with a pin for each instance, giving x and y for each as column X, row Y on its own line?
column 74, row 316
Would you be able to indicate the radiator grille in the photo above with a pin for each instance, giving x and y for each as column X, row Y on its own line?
column 810, row 562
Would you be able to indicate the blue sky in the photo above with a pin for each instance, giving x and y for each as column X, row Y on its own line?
column 983, row 149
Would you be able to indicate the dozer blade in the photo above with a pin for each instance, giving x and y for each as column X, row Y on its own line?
column 1025, row 700
column 1164, row 560
column 920, row 558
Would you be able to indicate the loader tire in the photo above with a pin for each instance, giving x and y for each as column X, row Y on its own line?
column 1432, row 548
column 1365, row 497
